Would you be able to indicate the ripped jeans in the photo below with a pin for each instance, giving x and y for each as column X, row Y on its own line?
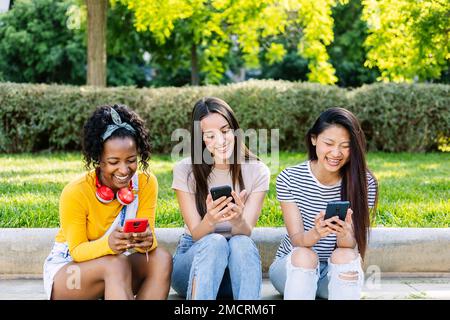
column 325, row 282
column 221, row 268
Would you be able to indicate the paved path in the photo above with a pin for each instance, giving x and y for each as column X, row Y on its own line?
column 389, row 288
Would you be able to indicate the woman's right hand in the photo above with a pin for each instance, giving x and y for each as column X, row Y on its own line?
column 320, row 226
column 218, row 210
column 119, row 241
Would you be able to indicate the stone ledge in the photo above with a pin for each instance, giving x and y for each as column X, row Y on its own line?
column 391, row 250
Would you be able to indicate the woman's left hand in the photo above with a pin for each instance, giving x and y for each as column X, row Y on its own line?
column 236, row 215
column 340, row 228
column 143, row 240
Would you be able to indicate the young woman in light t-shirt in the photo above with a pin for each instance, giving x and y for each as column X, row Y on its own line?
column 215, row 257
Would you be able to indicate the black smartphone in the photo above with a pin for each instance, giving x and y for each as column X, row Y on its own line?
column 221, row 191
column 337, row 208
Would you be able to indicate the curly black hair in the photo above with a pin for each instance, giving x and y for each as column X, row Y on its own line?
column 95, row 127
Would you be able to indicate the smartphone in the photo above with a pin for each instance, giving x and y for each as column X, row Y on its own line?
column 221, row 191
column 136, row 225
column 337, row 208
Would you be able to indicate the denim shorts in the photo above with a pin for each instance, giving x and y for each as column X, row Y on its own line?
column 58, row 258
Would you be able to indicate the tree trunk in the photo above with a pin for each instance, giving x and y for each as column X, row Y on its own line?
column 96, row 42
column 195, row 80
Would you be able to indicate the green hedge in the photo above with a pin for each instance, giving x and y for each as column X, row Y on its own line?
column 395, row 117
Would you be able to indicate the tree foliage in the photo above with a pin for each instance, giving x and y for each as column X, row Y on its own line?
column 216, row 27
column 37, row 46
column 348, row 42
column 347, row 52
column 408, row 39
column 45, row 42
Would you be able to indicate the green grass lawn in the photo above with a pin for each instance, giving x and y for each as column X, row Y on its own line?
column 414, row 189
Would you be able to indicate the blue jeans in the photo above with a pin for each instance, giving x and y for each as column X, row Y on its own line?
column 323, row 282
column 217, row 267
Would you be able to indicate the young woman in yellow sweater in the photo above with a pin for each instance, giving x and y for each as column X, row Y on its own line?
column 92, row 257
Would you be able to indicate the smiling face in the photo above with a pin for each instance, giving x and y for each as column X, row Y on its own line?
column 332, row 148
column 218, row 137
column 118, row 162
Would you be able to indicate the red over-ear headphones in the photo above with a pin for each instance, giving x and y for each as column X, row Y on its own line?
column 104, row 194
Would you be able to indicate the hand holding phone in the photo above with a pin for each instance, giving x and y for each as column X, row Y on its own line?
column 137, row 225
column 337, row 208
column 221, row 191
column 118, row 241
column 218, row 206
column 343, row 226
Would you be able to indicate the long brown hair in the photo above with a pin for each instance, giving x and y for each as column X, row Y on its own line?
column 201, row 171
column 354, row 173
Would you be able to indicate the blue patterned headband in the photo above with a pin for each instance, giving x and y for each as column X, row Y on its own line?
column 117, row 124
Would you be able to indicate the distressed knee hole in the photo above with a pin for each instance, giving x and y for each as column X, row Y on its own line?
column 304, row 258
column 349, row 276
column 193, row 289
column 304, row 270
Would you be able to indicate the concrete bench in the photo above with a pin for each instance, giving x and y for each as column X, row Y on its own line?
column 391, row 250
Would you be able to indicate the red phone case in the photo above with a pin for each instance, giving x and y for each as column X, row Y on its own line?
column 136, row 225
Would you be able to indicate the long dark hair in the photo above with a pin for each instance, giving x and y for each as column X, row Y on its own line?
column 354, row 172
column 201, row 171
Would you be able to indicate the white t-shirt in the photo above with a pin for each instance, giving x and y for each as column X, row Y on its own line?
column 255, row 175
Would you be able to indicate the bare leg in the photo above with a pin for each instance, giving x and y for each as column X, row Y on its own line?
column 151, row 280
column 108, row 276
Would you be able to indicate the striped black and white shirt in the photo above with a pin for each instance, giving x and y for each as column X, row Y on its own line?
column 298, row 184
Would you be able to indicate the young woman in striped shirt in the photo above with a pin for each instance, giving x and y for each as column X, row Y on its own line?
column 323, row 257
